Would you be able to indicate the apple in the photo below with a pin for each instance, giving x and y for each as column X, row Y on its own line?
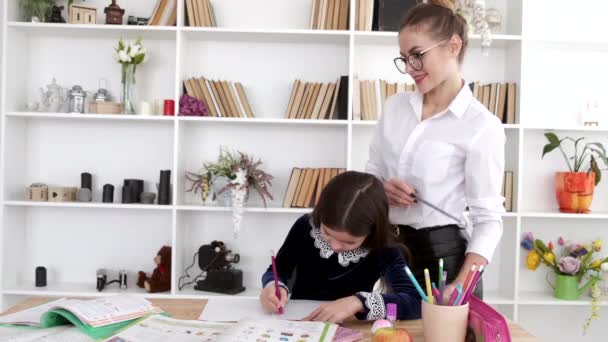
column 392, row 335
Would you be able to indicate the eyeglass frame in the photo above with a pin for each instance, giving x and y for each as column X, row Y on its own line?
column 419, row 55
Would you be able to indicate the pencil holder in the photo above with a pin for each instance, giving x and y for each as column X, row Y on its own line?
column 444, row 323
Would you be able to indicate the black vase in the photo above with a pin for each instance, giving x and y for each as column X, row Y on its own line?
column 137, row 187
column 108, row 193
column 164, row 187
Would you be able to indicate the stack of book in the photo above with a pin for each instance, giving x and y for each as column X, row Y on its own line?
column 507, row 190
column 200, row 13
column 329, row 15
column 318, row 101
column 222, row 98
column 364, row 15
column 369, row 97
column 306, row 184
column 164, row 14
column 499, row 98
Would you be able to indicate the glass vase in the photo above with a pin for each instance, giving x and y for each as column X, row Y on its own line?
column 128, row 89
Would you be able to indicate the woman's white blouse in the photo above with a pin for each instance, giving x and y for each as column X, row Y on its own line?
column 454, row 159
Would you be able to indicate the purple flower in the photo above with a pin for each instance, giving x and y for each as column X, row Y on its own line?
column 527, row 245
column 569, row 265
column 190, row 106
column 579, row 252
column 561, row 241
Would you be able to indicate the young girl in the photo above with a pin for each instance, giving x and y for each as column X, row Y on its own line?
column 339, row 252
column 439, row 145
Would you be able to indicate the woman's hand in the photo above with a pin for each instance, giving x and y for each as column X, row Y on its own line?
column 269, row 299
column 336, row 311
column 399, row 193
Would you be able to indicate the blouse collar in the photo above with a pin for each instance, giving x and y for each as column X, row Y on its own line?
column 325, row 251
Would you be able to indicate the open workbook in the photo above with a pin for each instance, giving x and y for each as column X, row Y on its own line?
column 98, row 318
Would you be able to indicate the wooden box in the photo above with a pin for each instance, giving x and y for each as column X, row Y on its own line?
column 82, row 14
column 105, row 108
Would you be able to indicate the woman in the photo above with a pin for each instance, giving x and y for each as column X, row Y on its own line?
column 438, row 151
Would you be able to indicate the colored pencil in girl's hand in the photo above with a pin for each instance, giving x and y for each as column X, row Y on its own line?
column 276, row 281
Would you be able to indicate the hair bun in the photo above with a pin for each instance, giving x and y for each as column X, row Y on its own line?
column 449, row 4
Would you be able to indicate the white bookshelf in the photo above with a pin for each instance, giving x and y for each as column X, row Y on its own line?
column 265, row 50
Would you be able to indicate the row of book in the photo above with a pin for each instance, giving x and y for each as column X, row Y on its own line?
column 369, row 97
column 306, row 184
column 381, row 15
column 313, row 100
column 164, row 13
column 507, row 190
column 222, row 98
column 499, row 98
column 200, row 13
column 329, row 15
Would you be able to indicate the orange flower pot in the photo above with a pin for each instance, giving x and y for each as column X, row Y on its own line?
column 574, row 191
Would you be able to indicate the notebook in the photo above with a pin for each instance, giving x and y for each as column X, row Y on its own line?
column 98, row 318
column 254, row 330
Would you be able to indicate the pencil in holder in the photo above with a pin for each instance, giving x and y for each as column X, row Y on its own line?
column 444, row 323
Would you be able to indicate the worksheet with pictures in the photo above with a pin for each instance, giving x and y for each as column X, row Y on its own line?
column 271, row 330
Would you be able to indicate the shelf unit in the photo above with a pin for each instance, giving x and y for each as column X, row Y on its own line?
column 266, row 51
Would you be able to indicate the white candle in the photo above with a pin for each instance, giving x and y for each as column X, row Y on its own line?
column 145, row 108
column 159, row 107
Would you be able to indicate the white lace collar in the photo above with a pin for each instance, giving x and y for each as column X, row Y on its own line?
column 325, row 251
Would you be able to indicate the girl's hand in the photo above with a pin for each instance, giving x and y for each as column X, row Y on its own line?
column 336, row 311
column 399, row 193
column 269, row 299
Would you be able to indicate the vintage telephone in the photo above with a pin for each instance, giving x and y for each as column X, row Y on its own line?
column 218, row 275
column 102, row 279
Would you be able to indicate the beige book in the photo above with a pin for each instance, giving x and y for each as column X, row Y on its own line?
column 231, row 99
column 313, row 15
column 316, row 112
column 343, row 19
column 240, row 108
column 313, row 100
column 298, row 100
column 206, row 13
column 383, row 88
column 502, row 100
column 322, row 14
column 227, row 99
column 202, row 86
column 219, row 97
column 291, row 187
column 401, row 87
column 310, row 193
column 152, row 16
column 509, row 190
column 320, row 185
column 214, row 101
column 189, row 89
column 492, row 106
column 306, row 104
column 360, row 15
column 336, row 15
column 332, row 109
column 299, row 191
column 195, row 90
column 327, row 101
column 294, row 90
column 357, row 100
column 364, row 107
column 330, row 14
column 304, row 189
column 369, row 13
column 511, row 102
column 212, row 14
column 304, row 99
column 241, row 92
column 487, row 91
column 190, row 11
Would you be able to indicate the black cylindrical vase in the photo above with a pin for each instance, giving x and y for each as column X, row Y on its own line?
column 127, row 194
column 164, row 187
column 86, row 181
column 137, row 187
column 108, row 193
column 40, row 276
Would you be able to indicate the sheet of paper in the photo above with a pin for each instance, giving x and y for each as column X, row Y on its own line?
column 250, row 330
column 54, row 334
column 106, row 310
column 30, row 316
column 234, row 309
column 159, row 328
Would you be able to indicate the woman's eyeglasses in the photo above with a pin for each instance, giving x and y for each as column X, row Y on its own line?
column 414, row 60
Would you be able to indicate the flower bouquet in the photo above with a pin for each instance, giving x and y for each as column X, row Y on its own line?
column 570, row 264
column 129, row 56
column 234, row 171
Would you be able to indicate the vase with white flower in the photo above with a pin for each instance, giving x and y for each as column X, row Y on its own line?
column 129, row 56
column 230, row 180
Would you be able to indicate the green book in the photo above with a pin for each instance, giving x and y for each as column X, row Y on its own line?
column 98, row 318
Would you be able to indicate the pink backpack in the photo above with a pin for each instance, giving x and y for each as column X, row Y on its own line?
column 486, row 324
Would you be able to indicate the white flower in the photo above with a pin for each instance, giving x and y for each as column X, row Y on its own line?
column 605, row 267
column 123, row 56
column 240, row 177
column 134, row 50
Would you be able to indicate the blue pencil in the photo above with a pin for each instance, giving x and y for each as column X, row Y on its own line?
column 459, row 290
column 418, row 288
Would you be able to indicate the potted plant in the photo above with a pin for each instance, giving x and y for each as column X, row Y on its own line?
column 572, row 265
column 234, row 171
column 574, row 189
column 40, row 9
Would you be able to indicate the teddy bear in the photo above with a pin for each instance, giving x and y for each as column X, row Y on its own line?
column 160, row 280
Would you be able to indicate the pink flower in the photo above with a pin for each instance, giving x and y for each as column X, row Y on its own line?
column 569, row 265
column 560, row 241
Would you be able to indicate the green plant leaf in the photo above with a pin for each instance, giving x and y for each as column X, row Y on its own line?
column 541, row 245
column 596, row 170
